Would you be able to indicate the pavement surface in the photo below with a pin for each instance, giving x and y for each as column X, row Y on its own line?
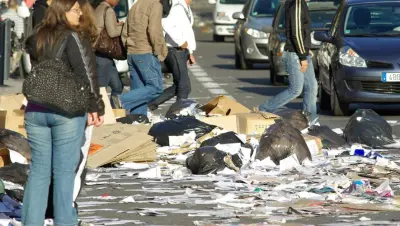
column 160, row 202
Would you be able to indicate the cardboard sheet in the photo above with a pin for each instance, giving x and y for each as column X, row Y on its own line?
column 250, row 123
column 223, row 105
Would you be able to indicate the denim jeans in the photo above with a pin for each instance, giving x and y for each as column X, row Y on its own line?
column 176, row 62
column 297, row 82
column 55, row 145
column 146, row 83
column 108, row 75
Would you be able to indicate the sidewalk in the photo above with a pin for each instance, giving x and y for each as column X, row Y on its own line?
column 11, row 86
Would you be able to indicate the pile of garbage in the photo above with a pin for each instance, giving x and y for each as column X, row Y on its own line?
column 268, row 164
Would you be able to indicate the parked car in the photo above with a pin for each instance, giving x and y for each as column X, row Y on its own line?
column 321, row 13
column 222, row 17
column 359, row 58
column 250, row 41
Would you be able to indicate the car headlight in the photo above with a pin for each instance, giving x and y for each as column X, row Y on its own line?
column 222, row 16
column 313, row 41
column 348, row 57
column 256, row 33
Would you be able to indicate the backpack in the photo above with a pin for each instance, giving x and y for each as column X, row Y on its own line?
column 167, row 4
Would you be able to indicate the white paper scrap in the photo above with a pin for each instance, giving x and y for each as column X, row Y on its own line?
column 129, row 199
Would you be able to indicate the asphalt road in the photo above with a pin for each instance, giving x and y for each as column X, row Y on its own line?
column 214, row 74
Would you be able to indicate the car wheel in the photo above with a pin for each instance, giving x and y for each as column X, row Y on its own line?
column 218, row 38
column 323, row 99
column 273, row 77
column 237, row 60
column 338, row 108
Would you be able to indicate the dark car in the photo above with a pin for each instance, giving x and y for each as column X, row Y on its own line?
column 359, row 60
column 321, row 15
column 250, row 41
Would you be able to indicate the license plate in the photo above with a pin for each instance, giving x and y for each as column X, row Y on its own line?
column 391, row 77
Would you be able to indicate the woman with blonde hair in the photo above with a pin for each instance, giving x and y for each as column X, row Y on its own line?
column 56, row 139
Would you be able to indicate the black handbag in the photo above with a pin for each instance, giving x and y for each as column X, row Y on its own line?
column 53, row 85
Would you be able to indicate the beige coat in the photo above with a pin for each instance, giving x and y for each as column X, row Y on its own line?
column 142, row 32
column 110, row 22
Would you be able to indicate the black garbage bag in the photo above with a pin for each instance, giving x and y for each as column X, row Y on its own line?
column 177, row 127
column 329, row 138
column 206, row 160
column 297, row 118
column 367, row 127
column 280, row 141
column 16, row 142
column 130, row 119
column 225, row 138
column 15, row 172
column 191, row 107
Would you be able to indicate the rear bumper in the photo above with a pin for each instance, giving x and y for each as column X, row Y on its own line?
column 224, row 29
column 364, row 85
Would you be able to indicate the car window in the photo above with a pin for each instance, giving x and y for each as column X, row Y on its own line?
column 233, row 2
column 264, row 8
column 373, row 20
column 121, row 10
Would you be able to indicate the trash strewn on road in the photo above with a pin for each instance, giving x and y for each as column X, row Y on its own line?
column 224, row 164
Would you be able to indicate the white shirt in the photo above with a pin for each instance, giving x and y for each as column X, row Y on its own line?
column 178, row 26
column 18, row 21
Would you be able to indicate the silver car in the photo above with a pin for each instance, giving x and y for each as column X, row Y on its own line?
column 251, row 43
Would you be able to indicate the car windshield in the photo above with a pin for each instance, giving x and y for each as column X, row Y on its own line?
column 121, row 10
column 264, row 8
column 233, row 2
column 378, row 19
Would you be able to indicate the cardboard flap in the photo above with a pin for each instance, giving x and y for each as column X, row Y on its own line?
column 223, row 105
column 109, row 117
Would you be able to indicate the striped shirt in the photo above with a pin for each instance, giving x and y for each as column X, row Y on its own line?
column 19, row 22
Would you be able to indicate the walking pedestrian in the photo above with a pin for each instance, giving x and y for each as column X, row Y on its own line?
column 107, row 71
column 143, row 37
column 297, row 61
column 56, row 139
column 181, row 42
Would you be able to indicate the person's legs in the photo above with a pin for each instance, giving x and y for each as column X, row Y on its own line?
column 37, row 188
column 102, row 64
column 148, row 67
column 184, row 86
column 136, row 83
column 67, row 136
column 310, row 91
column 116, row 85
column 296, row 81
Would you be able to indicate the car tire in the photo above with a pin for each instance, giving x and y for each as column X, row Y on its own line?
column 237, row 60
column 273, row 77
column 218, row 38
column 323, row 99
column 338, row 108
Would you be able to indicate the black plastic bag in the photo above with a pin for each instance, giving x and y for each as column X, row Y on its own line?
column 329, row 138
column 191, row 106
column 280, row 141
column 130, row 119
column 297, row 118
column 15, row 172
column 206, row 160
column 16, row 142
column 177, row 127
column 367, row 127
column 225, row 138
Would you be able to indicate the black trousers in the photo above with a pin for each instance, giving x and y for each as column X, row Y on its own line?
column 176, row 62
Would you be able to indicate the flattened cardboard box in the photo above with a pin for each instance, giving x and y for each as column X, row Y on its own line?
column 223, row 105
column 250, row 123
column 11, row 117
column 226, row 122
column 117, row 139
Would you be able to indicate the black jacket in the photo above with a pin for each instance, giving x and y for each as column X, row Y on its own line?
column 39, row 10
column 80, row 57
column 298, row 28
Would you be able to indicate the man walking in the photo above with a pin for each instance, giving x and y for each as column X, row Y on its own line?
column 143, row 37
column 181, row 42
column 297, row 60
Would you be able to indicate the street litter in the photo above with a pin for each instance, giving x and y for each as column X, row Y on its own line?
column 222, row 163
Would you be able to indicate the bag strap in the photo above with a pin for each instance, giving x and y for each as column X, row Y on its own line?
column 62, row 44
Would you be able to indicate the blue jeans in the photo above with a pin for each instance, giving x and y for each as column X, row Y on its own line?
column 297, row 82
column 108, row 75
column 55, row 145
column 146, row 83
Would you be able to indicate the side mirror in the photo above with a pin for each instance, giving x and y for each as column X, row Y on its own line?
column 322, row 36
column 238, row 16
column 268, row 29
